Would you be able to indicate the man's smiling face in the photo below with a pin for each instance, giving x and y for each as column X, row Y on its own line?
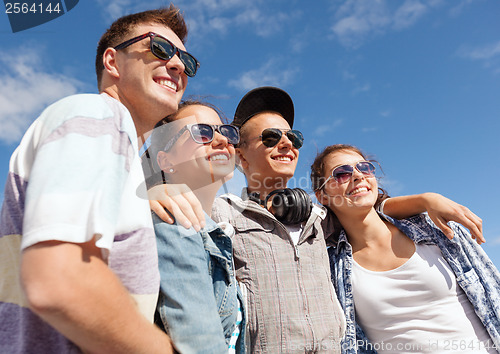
column 268, row 166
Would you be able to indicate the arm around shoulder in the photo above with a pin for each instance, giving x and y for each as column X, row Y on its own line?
column 440, row 209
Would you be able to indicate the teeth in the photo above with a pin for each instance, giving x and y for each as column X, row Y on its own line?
column 168, row 83
column 283, row 158
column 359, row 190
column 220, row 157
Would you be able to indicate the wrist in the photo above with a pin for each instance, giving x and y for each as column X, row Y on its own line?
column 426, row 200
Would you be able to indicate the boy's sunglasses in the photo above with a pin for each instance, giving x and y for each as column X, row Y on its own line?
column 163, row 49
column 203, row 133
column 272, row 136
column 343, row 173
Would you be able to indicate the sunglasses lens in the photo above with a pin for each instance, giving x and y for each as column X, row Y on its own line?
column 342, row 173
column 190, row 63
column 271, row 137
column 296, row 138
column 202, row 133
column 162, row 48
column 231, row 133
column 366, row 168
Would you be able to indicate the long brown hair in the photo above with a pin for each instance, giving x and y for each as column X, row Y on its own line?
column 318, row 168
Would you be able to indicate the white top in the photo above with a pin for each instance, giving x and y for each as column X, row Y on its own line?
column 417, row 307
column 295, row 230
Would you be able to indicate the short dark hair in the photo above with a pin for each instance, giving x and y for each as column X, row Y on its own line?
column 170, row 17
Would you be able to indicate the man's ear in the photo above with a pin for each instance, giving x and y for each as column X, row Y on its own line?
column 110, row 63
column 163, row 161
column 241, row 162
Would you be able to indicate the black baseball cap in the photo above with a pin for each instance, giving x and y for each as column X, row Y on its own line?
column 263, row 99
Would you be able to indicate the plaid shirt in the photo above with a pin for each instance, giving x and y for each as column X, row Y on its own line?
column 292, row 307
column 475, row 272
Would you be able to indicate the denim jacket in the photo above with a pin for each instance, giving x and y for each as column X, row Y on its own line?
column 475, row 273
column 199, row 295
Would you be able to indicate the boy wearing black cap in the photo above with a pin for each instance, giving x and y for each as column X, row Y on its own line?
column 292, row 306
column 280, row 255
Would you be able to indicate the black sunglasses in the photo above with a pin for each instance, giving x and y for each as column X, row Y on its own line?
column 272, row 136
column 343, row 173
column 203, row 133
column 163, row 49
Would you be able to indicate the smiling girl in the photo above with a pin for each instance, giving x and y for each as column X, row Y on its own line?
column 200, row 301
column 403, row 282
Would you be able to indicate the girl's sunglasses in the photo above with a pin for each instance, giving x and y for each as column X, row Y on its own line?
column 272, row 136
column 163, row 49
column 343, row 174
column 203, row 133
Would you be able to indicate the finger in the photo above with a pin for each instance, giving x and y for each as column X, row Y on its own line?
column 159, row 210
column 196, row 207
column 184, row 213
column 180, row 216
column 474, row 224
column 444, row 227
column 478, row 225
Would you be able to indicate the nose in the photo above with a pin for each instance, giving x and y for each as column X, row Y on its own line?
column 219, row 140
column 175, row 64
column 285, row 142
column 356, row 175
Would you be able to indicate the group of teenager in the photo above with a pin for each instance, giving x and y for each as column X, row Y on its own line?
column 89, row 265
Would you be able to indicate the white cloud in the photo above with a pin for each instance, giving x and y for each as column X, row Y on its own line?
column 324, row 129
column 206, row 17
column 114, row 9
column 270, row 73
column 356, row 20
column 487, row 54
column 347, row 75
column 483, row 52
column 361, row 88
column 408, row 14
column 25, row 90
column 460, row 6
column 386, row 113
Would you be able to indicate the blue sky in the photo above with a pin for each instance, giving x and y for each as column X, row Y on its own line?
column 415, row 83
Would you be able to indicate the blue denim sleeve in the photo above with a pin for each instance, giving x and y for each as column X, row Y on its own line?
column 187, row 304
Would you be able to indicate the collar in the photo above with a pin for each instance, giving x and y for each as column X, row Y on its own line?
column 419, row 228
column 245, row 194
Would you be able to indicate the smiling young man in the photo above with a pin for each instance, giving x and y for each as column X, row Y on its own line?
column 292, row 307
column 73, row 230
column 283, row 265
